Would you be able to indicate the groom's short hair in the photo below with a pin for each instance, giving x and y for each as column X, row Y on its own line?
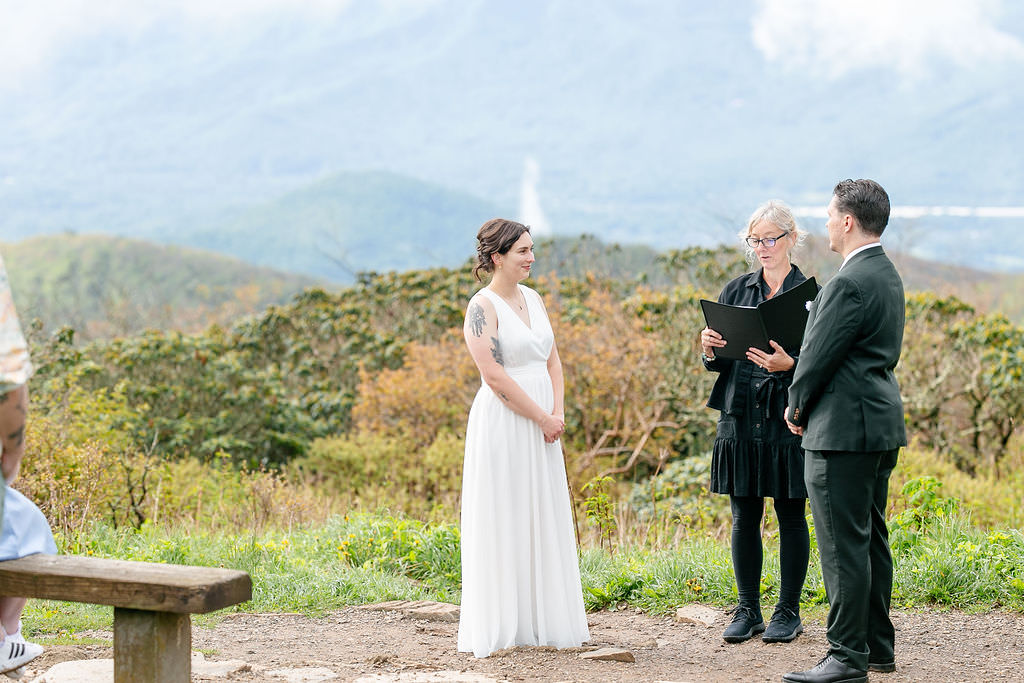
column 866, row 201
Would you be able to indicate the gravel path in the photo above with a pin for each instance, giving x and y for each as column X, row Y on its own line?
column 368, row 645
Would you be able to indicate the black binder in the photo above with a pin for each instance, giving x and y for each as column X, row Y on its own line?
column 781, row 319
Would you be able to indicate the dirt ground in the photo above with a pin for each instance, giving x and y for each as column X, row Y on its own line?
column 371, row 645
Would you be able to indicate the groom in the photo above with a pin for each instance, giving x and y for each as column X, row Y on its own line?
column 846, row 403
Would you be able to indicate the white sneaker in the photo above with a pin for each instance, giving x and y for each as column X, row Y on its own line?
column 14, row 655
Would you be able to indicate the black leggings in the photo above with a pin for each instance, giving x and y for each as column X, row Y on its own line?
column 794, row 547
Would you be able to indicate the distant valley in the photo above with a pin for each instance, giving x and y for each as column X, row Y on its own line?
column 105, row 286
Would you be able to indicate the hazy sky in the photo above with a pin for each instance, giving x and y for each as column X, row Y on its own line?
column 616, row 115
column 34, row 33
column 912, row 37
column 828, row 37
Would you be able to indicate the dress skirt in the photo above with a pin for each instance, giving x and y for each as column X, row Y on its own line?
column 520, row 570
column 755, row 454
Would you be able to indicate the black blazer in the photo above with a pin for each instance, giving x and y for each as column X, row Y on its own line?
column 727, row 395
column 844, row 391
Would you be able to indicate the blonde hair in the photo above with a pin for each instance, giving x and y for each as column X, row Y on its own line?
column 779, row 215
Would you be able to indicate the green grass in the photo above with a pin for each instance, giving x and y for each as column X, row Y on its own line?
column 348, row 561
column 659, row 581
column 365, row 558
column 65, row 637
column 960, row 566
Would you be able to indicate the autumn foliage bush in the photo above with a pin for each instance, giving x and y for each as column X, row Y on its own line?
column 83, row 464
column 431, row 392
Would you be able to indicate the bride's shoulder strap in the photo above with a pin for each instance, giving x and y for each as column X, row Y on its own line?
column 535, row 295
column 486, row 294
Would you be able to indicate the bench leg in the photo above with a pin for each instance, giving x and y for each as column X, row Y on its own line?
column 152, row 647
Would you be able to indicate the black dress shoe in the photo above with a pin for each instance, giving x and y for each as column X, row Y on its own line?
column 828, row 670
column 882, row 667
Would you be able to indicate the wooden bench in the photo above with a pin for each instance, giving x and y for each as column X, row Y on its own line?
column 152, row 603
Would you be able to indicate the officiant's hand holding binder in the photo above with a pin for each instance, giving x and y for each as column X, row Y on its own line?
column 781, row 319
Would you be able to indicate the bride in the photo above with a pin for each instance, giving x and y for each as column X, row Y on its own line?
column 520, row 574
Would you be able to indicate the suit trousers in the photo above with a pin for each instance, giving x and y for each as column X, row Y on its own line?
column 848, row 492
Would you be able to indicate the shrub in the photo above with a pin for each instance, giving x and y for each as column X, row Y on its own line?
column 431, row 393
column 368, row 471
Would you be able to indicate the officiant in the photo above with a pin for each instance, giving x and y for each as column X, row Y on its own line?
column 755, row 455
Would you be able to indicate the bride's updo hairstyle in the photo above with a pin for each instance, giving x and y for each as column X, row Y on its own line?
column 496, row 236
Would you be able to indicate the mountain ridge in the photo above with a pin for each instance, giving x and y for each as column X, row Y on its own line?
column 105, row 286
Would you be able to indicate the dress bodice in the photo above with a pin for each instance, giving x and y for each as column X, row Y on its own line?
column 522, row 345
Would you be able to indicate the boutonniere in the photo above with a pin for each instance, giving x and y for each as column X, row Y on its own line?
column 807, row 305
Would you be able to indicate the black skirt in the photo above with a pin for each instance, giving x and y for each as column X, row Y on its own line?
column 755, row 454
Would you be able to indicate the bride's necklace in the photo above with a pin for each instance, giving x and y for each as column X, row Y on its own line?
column 514, row 303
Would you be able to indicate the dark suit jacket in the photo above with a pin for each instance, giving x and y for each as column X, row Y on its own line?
column 844, row 392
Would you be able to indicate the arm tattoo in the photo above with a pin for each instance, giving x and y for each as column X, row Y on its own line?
column 503, row 396
column 477, row 319
column 499, row 358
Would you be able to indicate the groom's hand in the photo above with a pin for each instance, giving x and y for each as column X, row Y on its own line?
column 799, row 431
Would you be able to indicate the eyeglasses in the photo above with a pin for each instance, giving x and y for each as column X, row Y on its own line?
column 769, row 242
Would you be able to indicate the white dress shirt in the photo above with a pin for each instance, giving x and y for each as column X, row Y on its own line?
column 857, row 251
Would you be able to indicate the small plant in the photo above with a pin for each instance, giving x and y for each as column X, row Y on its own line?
column 925, row 507
column 600, row 509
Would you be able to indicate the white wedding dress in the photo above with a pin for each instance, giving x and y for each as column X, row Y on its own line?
column 520, row 572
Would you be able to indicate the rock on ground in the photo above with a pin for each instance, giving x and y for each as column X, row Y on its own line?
column 311, row 674
column 610, row 654
column 102, row 670
column 698, row 614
